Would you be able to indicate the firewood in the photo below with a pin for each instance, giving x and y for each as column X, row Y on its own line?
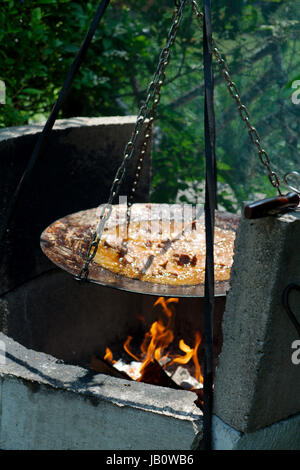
column 155, row 375
column 199, row 400
column 104, row 367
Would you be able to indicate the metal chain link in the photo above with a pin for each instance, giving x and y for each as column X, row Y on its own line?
column 243, row 111
column 146, row 112
column 153, row 92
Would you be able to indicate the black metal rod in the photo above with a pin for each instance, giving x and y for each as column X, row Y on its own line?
column 210, row 206
column 44, row 135
column 286, row 304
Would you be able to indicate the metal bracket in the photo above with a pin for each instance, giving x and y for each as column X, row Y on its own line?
column 286, row 304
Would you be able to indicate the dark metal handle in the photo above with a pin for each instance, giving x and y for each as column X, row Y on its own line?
column 271, row 206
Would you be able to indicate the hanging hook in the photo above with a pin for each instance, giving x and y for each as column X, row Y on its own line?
column 286, row 177
column 286, row 304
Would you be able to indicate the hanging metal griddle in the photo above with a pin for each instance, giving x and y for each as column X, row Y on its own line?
column 67, row 240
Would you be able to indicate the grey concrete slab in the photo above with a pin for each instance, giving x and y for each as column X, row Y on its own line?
column 224, row 437
column 47, row 404
column 283, row 435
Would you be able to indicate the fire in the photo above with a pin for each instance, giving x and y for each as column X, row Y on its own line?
column 126, row 347
column 109, row 356
column 190, row 353
column 159, row 337
column 155, row 345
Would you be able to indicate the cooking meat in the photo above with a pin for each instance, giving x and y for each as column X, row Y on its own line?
column 178, row 259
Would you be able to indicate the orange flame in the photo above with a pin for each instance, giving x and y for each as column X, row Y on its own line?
column 198, row 375
column 126, row 347
column 109, row 356
column 158, row 339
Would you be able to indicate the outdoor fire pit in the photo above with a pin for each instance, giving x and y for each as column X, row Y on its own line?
column 54, row 328
column 72, row 322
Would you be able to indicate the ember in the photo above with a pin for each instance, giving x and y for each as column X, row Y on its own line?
column 155, row 362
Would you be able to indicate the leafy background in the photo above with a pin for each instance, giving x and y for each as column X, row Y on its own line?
column 259, row 39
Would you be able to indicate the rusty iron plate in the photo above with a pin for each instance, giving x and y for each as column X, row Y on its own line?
column 66, row 241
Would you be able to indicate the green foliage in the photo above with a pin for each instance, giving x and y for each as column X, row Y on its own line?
column 39, row 40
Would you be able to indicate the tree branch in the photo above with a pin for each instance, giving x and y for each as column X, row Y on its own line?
column 199, row 90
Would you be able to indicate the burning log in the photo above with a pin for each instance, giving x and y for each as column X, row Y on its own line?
column 104, row 367
column 154, row 374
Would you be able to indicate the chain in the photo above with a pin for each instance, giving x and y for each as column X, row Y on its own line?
column 243, row 111
column 147, row 112
column 153, row 91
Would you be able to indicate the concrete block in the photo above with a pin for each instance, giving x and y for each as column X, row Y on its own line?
column 256, row 382
column 224, row 437
column 283, row 435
